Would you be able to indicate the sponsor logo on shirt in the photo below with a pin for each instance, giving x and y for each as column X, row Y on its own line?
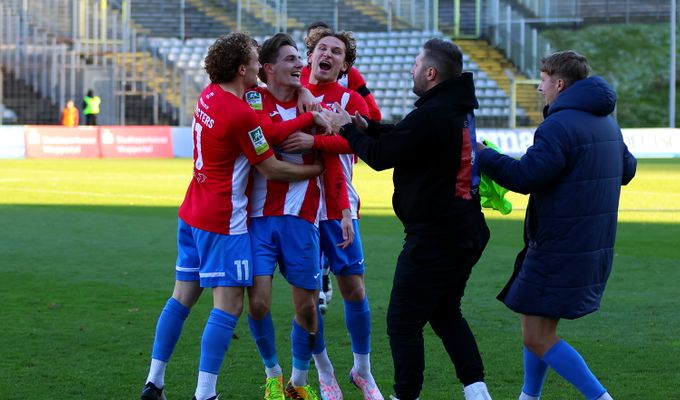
column 254, row 99
column 259, row 142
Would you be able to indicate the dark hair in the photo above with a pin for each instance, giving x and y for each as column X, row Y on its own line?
column 90, row 93
column 344, row 36
column 269, row 51
column 226, row 55
column 567, row 65
column 317, row 24
column 445, row 57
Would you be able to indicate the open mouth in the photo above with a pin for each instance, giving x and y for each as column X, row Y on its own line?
column 325, row 66
column 296, row 74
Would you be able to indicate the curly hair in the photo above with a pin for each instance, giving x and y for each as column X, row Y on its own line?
column 345, row 37
column 226, row 55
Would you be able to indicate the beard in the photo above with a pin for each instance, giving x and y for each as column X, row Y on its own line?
column 418, row 86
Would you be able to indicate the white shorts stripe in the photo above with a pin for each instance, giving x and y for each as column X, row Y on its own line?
column 184, row 269
column 212, row 274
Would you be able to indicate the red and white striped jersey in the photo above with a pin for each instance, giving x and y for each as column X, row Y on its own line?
column 272, row 198
column 227, row 139
column 328, row 94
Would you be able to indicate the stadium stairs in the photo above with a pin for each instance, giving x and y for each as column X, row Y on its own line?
column 31, row 108
column 494, row 64
column 160, row 18
column 144, row 77
column 376, row 14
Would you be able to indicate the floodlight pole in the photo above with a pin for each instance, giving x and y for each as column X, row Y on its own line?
column 671, row 103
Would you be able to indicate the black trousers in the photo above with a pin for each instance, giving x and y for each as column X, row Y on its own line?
column 429, row 283
column 91, row 119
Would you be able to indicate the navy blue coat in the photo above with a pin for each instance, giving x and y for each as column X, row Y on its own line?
column 573, row 173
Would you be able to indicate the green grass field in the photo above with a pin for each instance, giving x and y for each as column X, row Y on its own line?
column 87, row 251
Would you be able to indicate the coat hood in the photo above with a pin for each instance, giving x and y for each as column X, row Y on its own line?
column 593, row 95
column 459, row 91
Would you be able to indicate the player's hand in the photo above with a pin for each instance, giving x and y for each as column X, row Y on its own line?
column 359, row 121
column 307, row 101
column 347, row 226
column 338, row 117
column 297, row 142
column 322, row 122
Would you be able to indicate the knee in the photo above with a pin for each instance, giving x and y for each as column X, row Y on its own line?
column 258, row 308
column 537, row 344
column 452, row 322
column 356, row 293
column 352, row 287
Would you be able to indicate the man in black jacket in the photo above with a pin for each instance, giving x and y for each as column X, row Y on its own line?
column 432, row 151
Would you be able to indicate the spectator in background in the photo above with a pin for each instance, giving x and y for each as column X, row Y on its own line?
column 70, row 115
column 436, row 197
column 91, row 105
column 573, row 173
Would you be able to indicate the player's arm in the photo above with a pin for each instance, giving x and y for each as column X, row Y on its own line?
column 385, row 151
column 307, row 101
column 358, row 84
column 336, row 195
column 302, row 142
column 277, row 170
column 259, row 153
column 373, row 109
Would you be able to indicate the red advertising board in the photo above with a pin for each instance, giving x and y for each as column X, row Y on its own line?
column 136, row 141
column 44, row 141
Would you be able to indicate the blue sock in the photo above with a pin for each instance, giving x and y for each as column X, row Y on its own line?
column 168, row 329
column 262, row 331
column 300, row 341
column 567, row 362
column 216, row 338
column 319, row 341
column 535, row 371
column 358, row 322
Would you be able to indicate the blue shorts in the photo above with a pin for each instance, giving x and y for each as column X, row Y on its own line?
column 212, row 258
column 349, row 261
column 293, row 243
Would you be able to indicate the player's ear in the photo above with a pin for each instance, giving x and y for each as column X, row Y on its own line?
column 242, row 70
column 268, row 68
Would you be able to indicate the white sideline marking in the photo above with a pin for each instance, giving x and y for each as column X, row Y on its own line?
column 95, row 194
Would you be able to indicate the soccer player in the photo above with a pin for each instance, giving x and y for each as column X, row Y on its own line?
column 213, row 243
column 332, row 54
column 353, row 80
column 283, row 229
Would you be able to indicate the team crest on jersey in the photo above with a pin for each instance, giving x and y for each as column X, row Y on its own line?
column 255, row 100
column 259, row 142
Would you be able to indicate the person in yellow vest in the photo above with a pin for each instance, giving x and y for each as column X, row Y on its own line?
column 91, row 108
column 70, row 115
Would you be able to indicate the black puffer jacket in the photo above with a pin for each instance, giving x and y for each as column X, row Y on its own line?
column 432, row 151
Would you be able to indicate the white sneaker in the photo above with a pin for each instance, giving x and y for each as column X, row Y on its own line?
column 323, row 304
column 327, row 286
column 605, row 396
column 524, row 396
column 476, row 391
